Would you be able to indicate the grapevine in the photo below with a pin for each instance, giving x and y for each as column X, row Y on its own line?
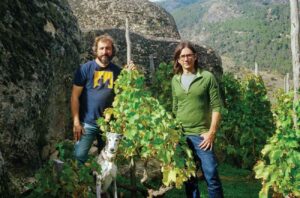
column 150, row 131
column 280, row 167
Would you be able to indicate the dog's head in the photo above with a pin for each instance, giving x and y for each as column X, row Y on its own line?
column 112, row 143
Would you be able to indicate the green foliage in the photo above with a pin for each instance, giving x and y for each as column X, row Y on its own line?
column 235, row 181
column 161, row 85
column 69, row 180
column 259, row 33
column 65, row 150
column 228, row 135
column 247, row 120
column 150, row 132
column 236, row 184
column 279, row 168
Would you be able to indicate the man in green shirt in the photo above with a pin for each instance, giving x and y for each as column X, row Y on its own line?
column 197, row 105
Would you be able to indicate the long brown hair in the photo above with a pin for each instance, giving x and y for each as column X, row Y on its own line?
column 177, row 68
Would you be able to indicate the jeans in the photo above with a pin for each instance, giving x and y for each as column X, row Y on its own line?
column 208, row 165
column 83, row 146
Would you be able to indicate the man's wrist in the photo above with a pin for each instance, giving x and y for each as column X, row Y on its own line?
column 76, row 122
column 213, row 132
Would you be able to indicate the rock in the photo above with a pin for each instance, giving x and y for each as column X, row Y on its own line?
column 152, row 31
column 162, row 50
column 225, row 11
column 54, row 155
column 39, row 49
column 93, row 151
column 4, row 182
column 144, row 17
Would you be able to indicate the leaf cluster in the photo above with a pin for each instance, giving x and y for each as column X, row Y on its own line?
column 65, row 180
column 161, row 85
column 247, row 120
column 150, row 131
column 279, row 167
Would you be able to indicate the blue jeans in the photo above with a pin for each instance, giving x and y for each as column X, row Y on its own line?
column 83, row 146
column 208, row 164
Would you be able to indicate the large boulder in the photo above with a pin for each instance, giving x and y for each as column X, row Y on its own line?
column 39, row 49
column 152, row 31
column 4, row 182
column 145, row 17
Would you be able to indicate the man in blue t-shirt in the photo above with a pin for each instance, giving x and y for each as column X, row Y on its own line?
column 92, row 93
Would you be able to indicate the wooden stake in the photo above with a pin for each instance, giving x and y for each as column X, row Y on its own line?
column 256, row 69
column 295, row 53
column 152, row 68
column 128, row 42
column 287, row 83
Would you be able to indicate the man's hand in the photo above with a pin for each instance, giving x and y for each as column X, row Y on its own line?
column 208, row 140
column 131, row 66
column 107, row 117
column 78, row 130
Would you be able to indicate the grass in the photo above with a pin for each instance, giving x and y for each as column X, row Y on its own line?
column 237, row 183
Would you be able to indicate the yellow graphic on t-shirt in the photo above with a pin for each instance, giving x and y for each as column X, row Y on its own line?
column 103, row 78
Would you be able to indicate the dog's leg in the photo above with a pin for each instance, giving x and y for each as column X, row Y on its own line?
column 98, row 189
column 115, row 188
column 98, row 184
column 114, row 178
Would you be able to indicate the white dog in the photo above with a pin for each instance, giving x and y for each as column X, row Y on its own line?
column 108, row 167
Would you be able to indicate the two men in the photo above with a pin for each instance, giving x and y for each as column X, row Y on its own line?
column 197, row 105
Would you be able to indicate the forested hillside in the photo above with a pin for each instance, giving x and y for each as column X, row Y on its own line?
column 245, row 31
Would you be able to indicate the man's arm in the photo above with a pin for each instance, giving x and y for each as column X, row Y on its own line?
column 77, row 128
column 210, row 136
column 215, row 104
column 215, row 120
column 174, row 99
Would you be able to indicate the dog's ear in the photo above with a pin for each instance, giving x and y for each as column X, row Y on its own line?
column 108, row 133
column 120, row 136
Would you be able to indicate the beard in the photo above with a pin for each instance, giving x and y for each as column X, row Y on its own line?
column 104, row 59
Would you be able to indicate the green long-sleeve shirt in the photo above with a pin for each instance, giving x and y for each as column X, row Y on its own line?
column 193, row 108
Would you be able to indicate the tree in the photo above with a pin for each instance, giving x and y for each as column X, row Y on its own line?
column 295, row 53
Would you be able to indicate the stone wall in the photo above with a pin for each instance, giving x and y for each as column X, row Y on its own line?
column 162, row 50
column 39, row 49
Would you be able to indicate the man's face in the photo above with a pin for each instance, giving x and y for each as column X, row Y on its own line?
column 104, row 52
column 187, row 59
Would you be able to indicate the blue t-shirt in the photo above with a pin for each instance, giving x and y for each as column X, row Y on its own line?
column 98, row 93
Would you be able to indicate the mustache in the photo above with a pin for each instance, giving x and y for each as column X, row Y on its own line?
column 105, row 59
column 106, row 56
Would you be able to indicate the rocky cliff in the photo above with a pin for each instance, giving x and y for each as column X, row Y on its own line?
column 39, row 44
column 145, row 17
column 152, row 30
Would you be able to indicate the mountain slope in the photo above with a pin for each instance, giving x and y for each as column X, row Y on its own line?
column 245, row 31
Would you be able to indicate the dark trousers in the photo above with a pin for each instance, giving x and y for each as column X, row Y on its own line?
column 208, row 165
